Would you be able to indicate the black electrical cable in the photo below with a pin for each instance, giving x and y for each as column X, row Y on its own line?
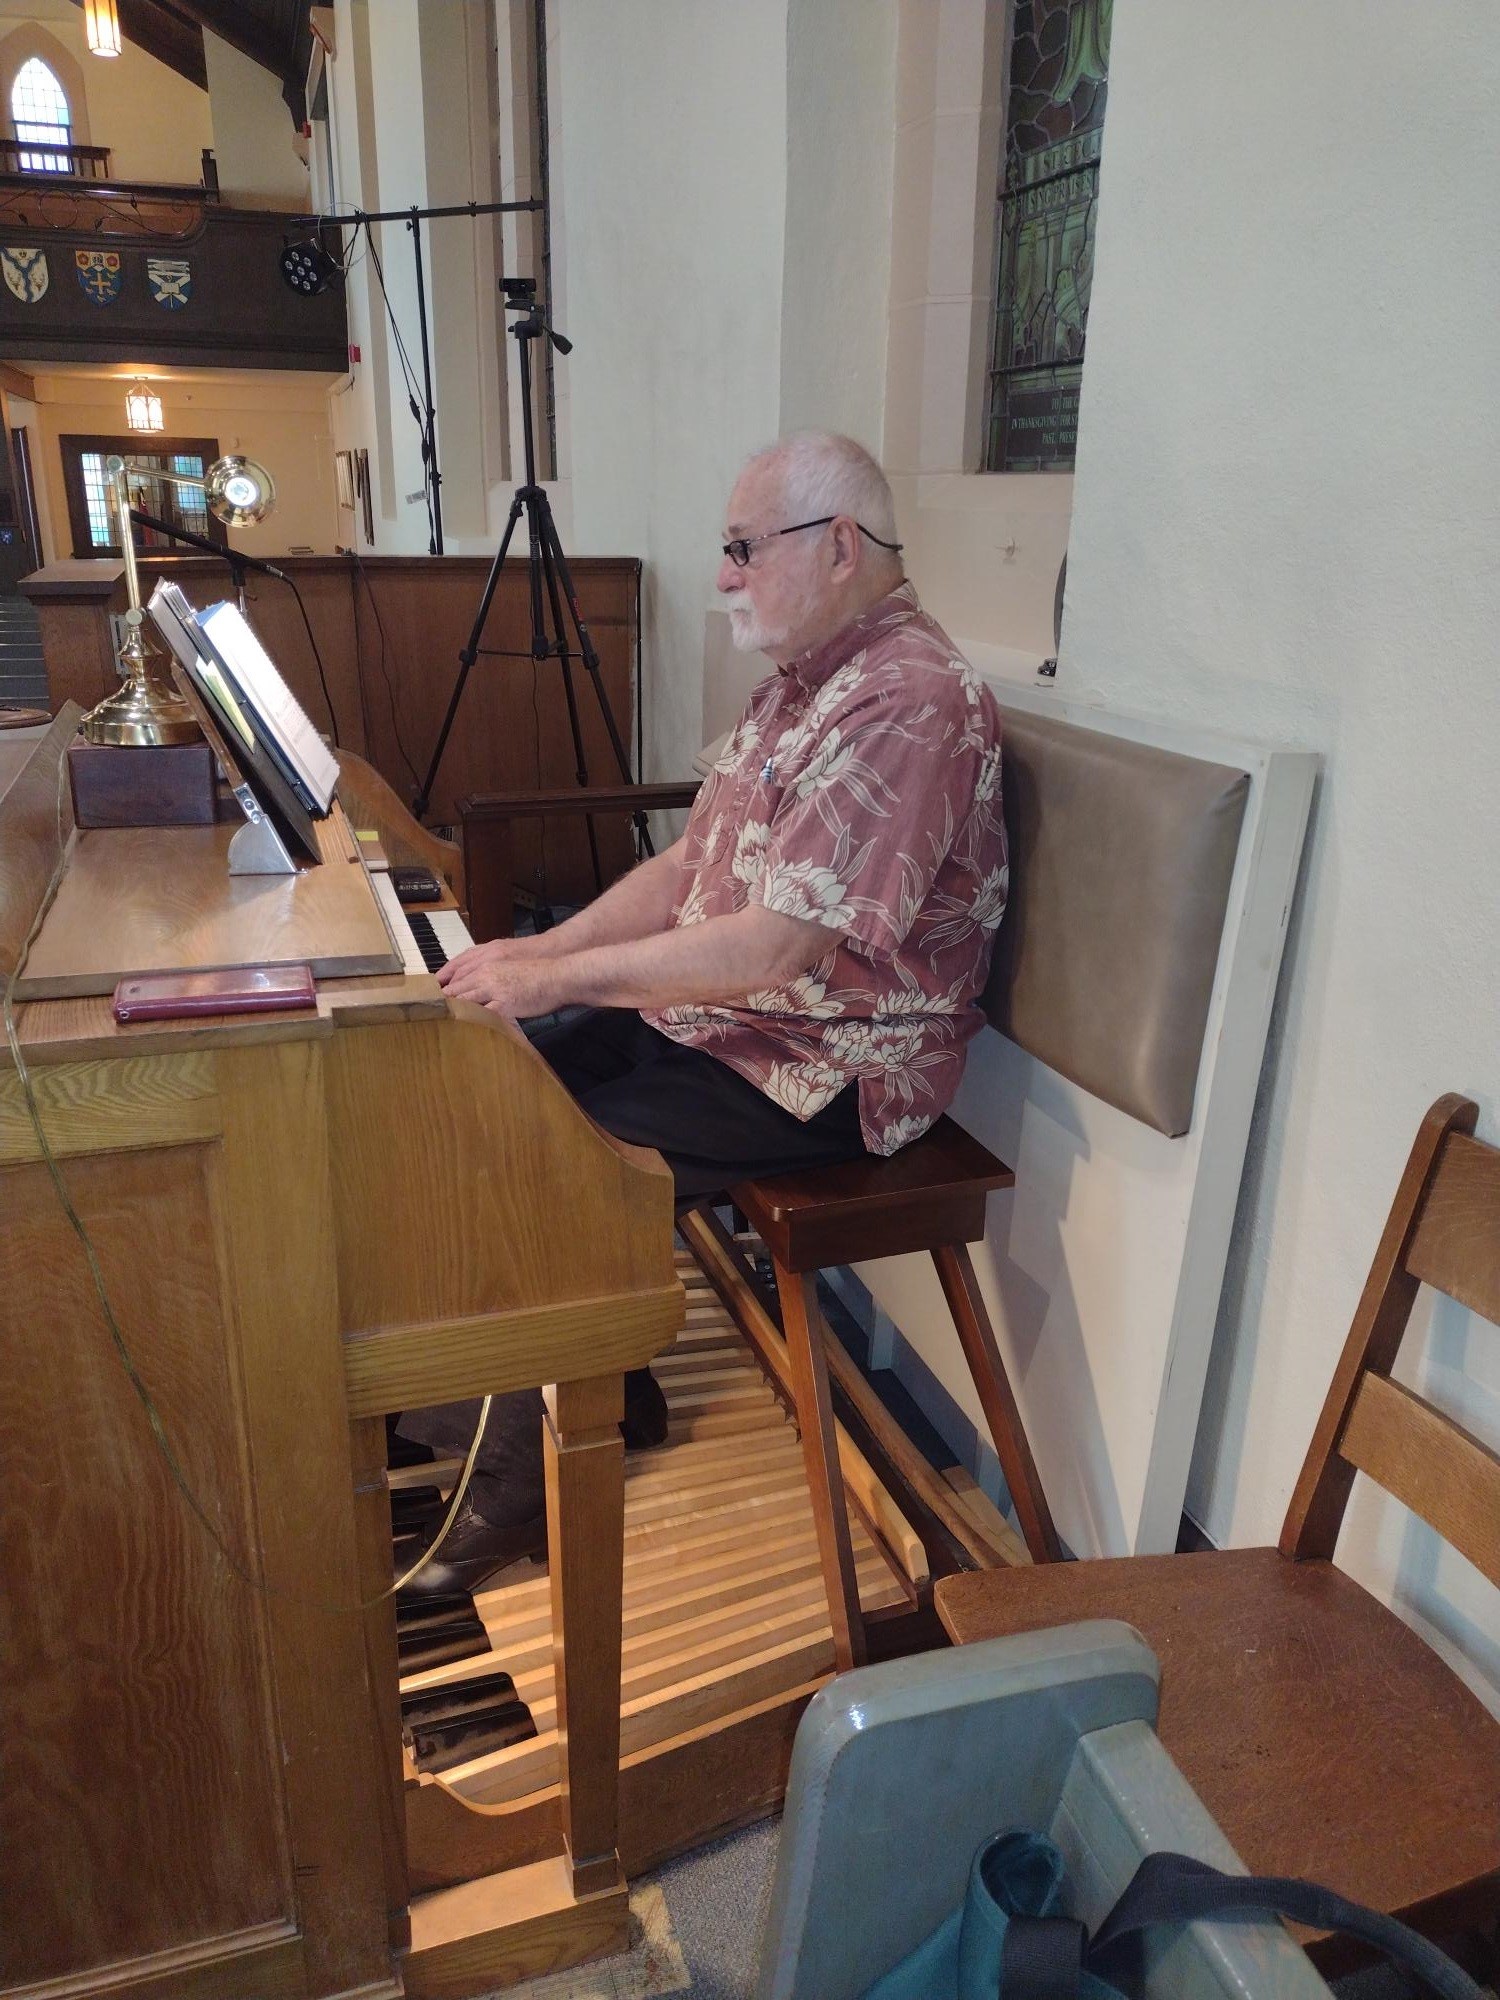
column 384, row 669
column 413, row 398
column 333, row 717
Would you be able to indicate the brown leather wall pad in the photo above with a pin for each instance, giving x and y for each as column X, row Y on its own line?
column 1121, row 857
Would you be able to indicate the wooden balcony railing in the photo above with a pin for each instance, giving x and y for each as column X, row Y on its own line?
column 32, row 156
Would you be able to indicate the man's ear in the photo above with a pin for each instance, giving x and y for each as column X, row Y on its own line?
column 845, row 543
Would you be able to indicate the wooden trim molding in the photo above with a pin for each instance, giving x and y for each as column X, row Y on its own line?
column 412, row 1367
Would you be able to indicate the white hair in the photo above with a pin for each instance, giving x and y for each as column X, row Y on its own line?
column 823, row 473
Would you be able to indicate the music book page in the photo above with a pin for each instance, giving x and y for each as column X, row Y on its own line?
column 253, row 667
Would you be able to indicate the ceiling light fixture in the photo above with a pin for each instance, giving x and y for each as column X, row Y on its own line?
column 101, row 23
column 143, row 408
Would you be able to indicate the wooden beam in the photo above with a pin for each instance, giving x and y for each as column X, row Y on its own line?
column 15, row 383
column 234, row 23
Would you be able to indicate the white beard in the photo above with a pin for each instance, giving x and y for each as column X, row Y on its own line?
column 746, row 631
column 752, row 635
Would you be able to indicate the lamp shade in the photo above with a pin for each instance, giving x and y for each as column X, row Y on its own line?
column 101, row 24
column 238, row 490
column 143, row 408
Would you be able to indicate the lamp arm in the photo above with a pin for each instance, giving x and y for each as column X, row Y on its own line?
column 159, row 472
column 118, row 498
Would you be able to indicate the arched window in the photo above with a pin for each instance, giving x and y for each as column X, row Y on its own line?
column 39, row 110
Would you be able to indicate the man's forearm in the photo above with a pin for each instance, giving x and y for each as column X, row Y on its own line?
column 718, row 961
column 639, row 905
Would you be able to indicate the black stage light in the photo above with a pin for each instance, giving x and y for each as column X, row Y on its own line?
column 307, row 267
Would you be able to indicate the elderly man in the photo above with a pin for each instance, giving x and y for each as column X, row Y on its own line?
column 795, row 981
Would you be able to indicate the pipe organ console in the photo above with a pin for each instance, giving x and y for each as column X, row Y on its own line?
column 301, row 1222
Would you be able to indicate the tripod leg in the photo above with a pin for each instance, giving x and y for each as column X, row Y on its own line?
column 542, row 544
column 559, row 569
column 466, row 659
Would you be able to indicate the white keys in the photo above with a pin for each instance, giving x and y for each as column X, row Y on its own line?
column 448, row 927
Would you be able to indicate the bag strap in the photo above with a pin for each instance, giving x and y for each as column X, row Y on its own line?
column 1042, row 1958
column 1175, row 1888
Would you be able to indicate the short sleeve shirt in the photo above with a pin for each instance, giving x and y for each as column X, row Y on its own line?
column 859, row 790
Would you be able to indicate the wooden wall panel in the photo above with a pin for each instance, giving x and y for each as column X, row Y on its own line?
column 129, row 1646
column 389, row 629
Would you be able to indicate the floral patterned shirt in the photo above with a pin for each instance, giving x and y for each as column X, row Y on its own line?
column 861, row 790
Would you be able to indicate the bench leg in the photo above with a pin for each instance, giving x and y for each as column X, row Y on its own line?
column 802, row 1323
column 955, row 1269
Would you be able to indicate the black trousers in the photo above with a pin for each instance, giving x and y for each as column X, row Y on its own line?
column 711, row 1126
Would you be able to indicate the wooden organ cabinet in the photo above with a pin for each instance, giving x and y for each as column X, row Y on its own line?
column 301, row 1222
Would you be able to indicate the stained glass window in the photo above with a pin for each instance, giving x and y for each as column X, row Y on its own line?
column 1048, row 197
column 183, row 506
column 39, row 111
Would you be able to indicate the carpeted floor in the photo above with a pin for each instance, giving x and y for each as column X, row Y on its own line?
column 695, row 1926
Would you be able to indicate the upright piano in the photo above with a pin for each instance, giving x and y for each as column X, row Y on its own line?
column 227, row 1249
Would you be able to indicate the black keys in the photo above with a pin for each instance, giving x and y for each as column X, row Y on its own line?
column 471, row 1718
column 433, row 955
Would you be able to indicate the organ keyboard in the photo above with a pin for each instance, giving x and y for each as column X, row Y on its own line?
column 426, row 939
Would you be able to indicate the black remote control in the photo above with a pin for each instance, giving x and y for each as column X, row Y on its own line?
column 415, row 885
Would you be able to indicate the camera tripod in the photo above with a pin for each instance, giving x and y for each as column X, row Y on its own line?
column 551, row 588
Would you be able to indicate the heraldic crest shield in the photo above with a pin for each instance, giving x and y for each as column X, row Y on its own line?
column 25, row 273
column 100, row 274
column 170, row 280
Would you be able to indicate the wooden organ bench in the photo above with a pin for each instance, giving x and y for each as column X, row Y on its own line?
column 930, row 1198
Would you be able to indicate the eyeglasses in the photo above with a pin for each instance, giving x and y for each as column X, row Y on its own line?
column 738, row 551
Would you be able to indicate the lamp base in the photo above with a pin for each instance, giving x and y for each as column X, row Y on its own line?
column 146, row 711
column 142, row 718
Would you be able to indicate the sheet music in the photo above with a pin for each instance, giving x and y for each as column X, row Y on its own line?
column 168, row 620
column 250, row 663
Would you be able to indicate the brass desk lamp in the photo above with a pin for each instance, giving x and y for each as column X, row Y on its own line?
column 147, row 709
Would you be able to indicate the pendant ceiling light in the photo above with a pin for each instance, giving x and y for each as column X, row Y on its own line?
column 143, row 408
column 101, row 22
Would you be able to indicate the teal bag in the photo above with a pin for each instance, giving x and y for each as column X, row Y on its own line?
column 1012, row 1938
column 1013, row 1875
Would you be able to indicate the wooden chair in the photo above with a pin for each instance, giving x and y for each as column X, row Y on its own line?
column 928, row 1197
column 1322, row 1734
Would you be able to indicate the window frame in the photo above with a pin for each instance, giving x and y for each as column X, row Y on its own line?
column 72, row 446
column 1004, row 197
column 62, row 135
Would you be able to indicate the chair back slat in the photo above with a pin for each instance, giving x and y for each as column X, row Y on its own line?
column 1451, row 1241
column 1456, row 1245
column 1431, row 1465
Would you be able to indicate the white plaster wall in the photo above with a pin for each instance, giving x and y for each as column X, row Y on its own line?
column 1285, row 519
column 253, row 134
column 393, row 143
column 463, row 302
column 840, row 81
column 671, row 148
column 982, row 548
